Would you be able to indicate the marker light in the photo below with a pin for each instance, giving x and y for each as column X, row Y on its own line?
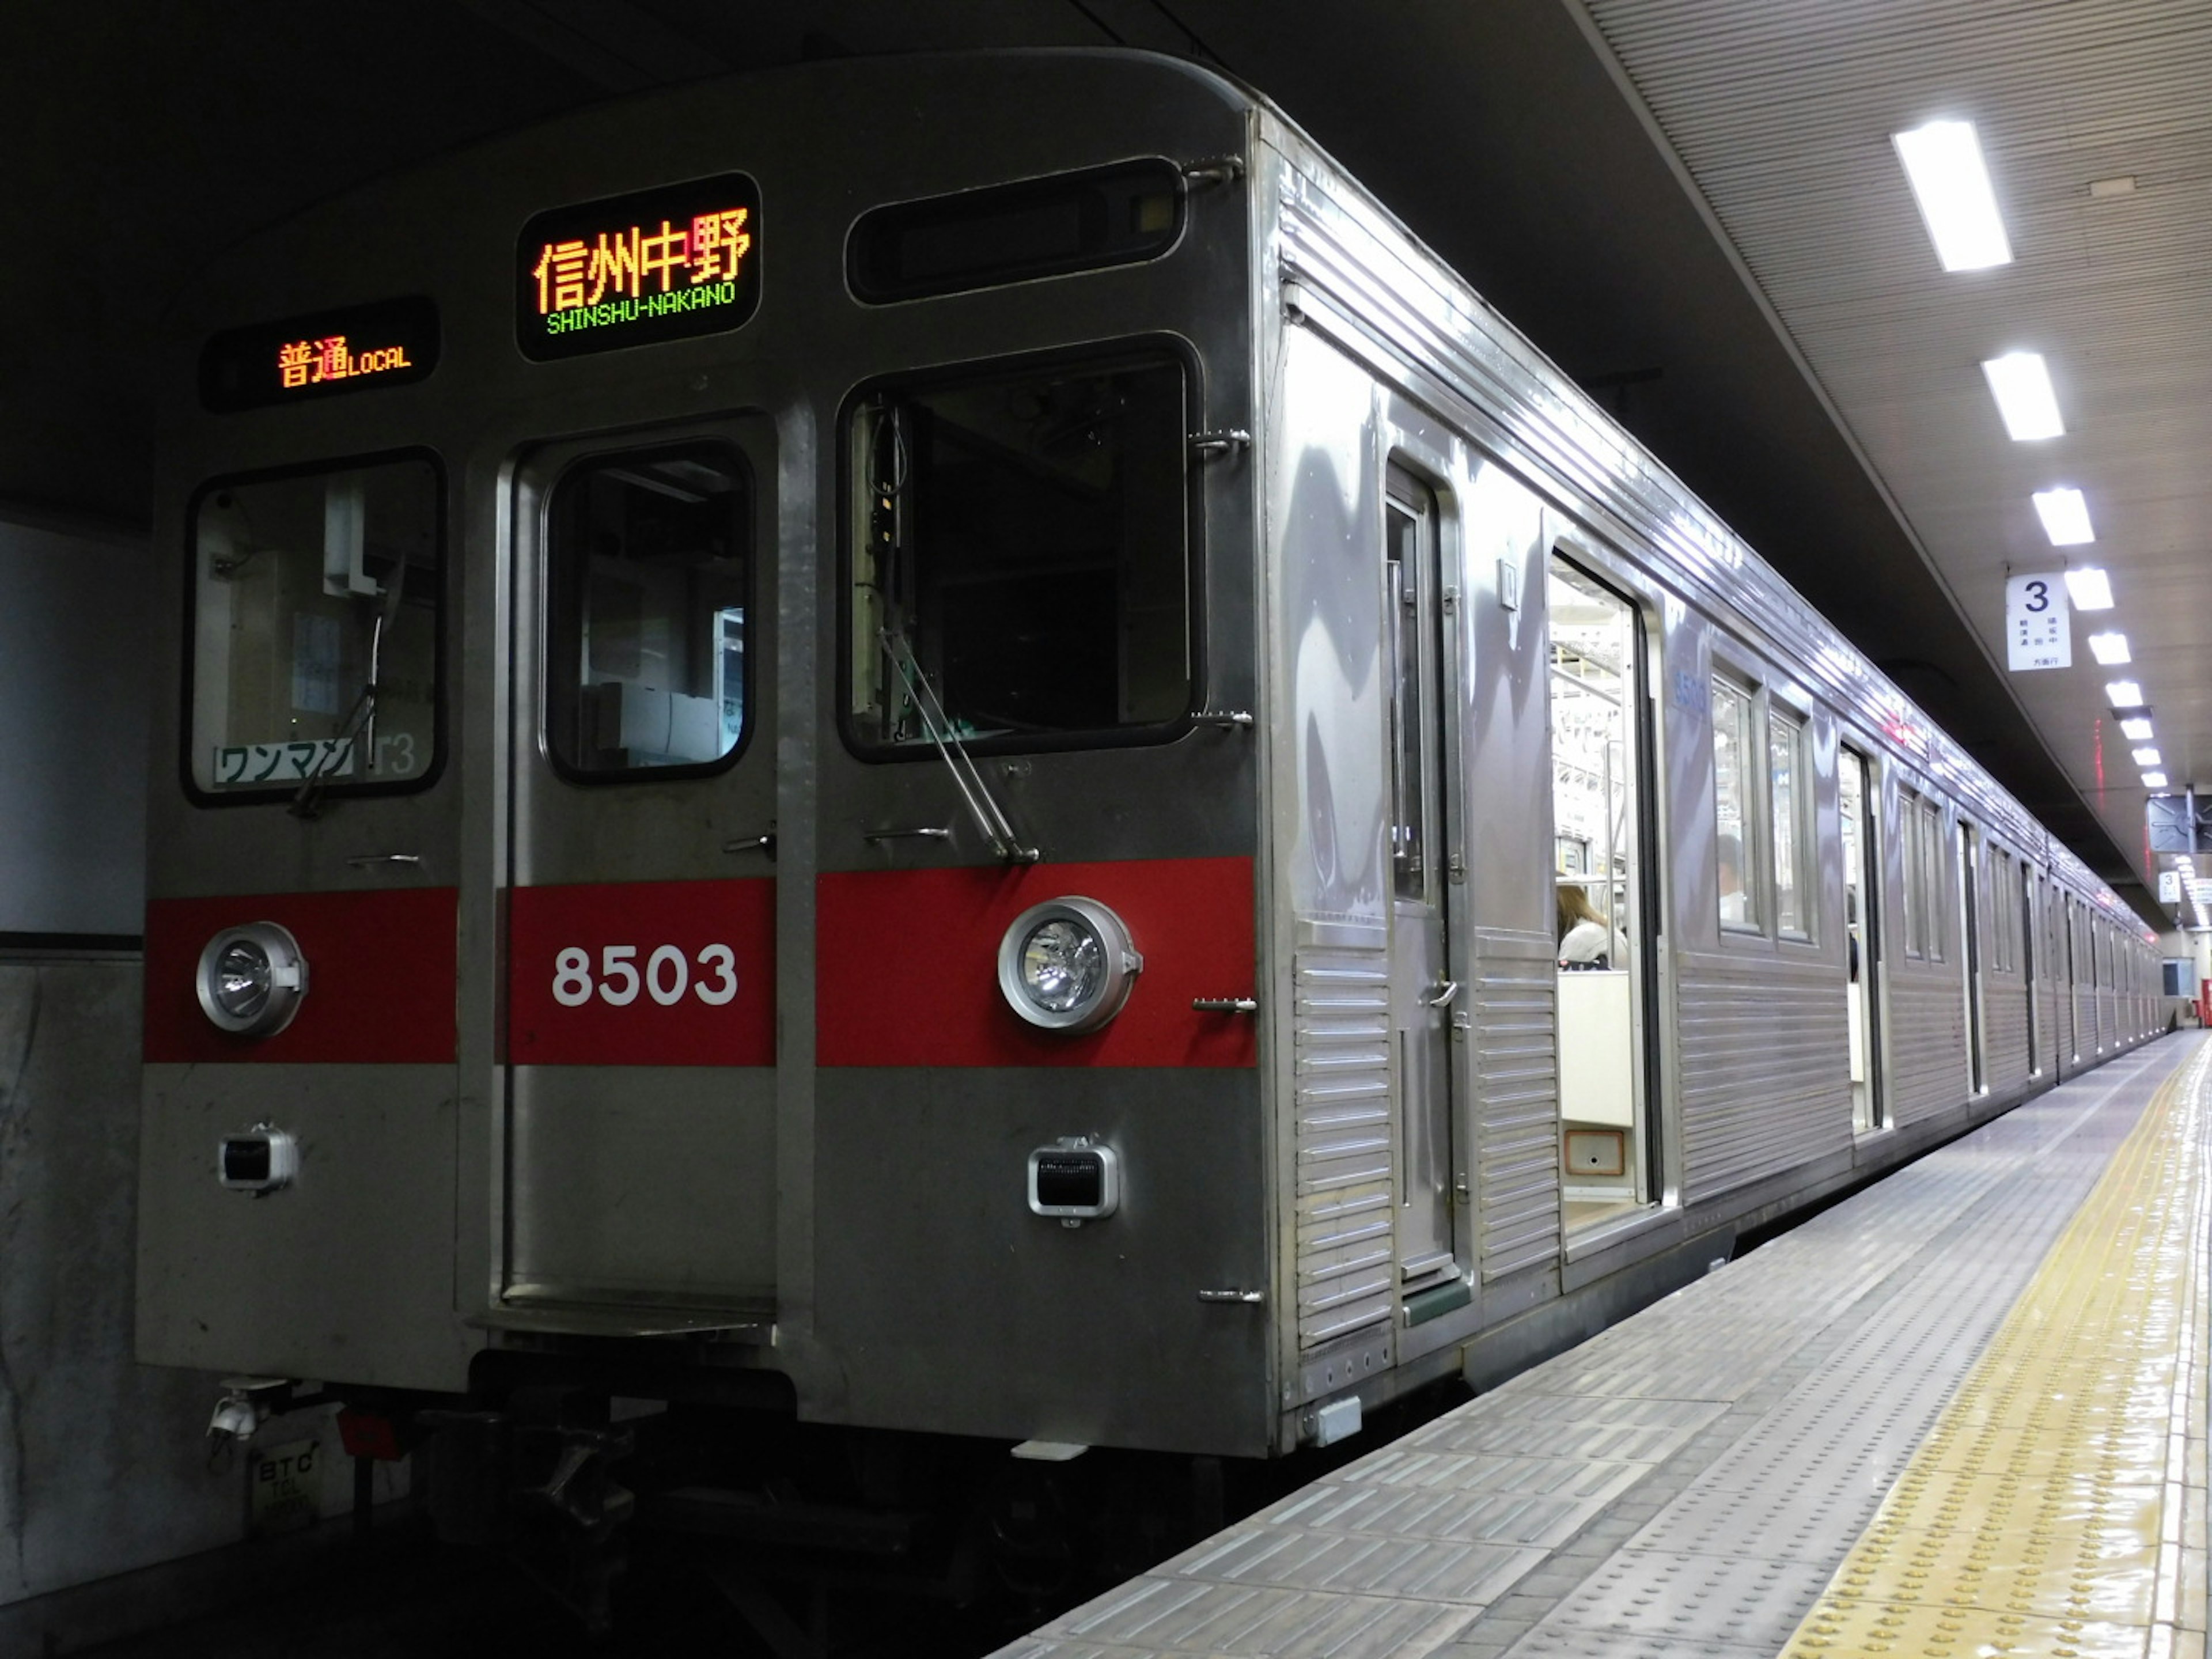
column 2124, row 693
column 251, row 978
column 2144, row 756
column 2153, row 779
column 2065, row 516
column 2021, row 384
column 1943, row 160
column 2089, row 588
column 1067, row 965
column 2110, row 649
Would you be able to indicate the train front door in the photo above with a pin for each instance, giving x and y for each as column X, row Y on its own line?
column 1424, row 996
column 640, row 971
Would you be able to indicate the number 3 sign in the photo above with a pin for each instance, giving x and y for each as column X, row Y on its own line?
column 673, row 973
column 2038, row 633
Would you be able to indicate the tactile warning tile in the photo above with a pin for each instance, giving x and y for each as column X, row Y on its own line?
column 2058, row 1506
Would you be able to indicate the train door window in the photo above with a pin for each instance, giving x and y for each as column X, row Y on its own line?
column 316, row 598
column 648, row 571
column 1973, row 952
column 1787, row 798
column 1931, row 852
column 1599, row 791
column 1425, row 992
column 1732, row 806
column 1020, row 565
column 1862, row 938
column 1912, row 902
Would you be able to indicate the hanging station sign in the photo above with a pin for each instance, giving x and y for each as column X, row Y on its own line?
column 385, row 342
column 661, row 264
column 2038, row 632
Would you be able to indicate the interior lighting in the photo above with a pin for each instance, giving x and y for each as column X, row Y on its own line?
column 2110, row 649
column 1943, row 160
column 2065, row 518
column 2089, row 588
column 2020, row 383
column 2124, row 693
column 2145, row 757
column 2135, row 731
column 2153, row 779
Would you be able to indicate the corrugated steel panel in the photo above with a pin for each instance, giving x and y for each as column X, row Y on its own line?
column 1781, row 113
column 1927, row 1041
column 1517, row 1102
column 1346, row 1221
column 1766, row 1060
column 2004, row 1027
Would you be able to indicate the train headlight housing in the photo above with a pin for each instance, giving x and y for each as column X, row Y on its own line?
column 1067, row 965
column 250, row 980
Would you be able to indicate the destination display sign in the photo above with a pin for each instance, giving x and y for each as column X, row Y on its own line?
column 385, row 342
column 662, row 265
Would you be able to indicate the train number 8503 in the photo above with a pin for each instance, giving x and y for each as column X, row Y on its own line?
column 666, row 977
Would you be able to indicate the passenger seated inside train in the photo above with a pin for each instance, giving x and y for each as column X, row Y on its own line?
column 1587, row 940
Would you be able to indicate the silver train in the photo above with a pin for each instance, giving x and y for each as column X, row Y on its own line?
column 954, row 747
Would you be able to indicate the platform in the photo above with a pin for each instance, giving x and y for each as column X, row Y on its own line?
column 1961, row 1413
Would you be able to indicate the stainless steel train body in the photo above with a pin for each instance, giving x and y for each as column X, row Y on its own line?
column 655, row 1029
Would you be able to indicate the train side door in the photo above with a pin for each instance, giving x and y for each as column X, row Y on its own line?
column 1424, row 997
column 1862, row 828
column 640, row 973
column 1970, row 934
column 1604, row 910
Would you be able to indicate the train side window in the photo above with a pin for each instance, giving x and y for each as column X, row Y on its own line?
column 1932, row 856
column 1914, row 889
column 1732, row 806
column 1020, row 559
column 1787, row 800
column 316, row 598
column 648, row 575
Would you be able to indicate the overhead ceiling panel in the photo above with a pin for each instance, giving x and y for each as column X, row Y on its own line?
column 1780, row 113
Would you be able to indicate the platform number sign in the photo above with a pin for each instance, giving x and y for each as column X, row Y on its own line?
column 2038, row 633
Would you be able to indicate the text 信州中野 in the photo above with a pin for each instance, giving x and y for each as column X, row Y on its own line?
column 573, row 275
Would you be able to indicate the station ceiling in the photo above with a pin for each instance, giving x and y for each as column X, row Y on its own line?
column 1692, row 205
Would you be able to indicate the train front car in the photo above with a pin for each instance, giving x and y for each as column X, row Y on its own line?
column 706, row 808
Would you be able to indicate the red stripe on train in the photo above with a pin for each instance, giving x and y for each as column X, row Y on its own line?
column 381, row 978
column 907, row 964
column 655, row 973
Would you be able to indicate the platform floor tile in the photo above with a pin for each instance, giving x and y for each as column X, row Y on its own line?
column 1683, row 1483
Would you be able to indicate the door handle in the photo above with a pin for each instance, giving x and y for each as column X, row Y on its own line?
column 1445, row 993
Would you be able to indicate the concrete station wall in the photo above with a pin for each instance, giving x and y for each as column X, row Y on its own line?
column 103, row 1462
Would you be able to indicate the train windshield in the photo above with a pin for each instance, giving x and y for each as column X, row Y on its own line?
column 1020, row 569
column 315, row 609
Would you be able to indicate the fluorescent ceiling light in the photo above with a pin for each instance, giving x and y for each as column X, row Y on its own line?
column 2124, row 693
column 2135, row 731
column 1943, row 160
column 2089, row 588
column 2145, row 757
column 2065, row 516
column 2153, row 779
column 2022, row 386
column 2110, row 649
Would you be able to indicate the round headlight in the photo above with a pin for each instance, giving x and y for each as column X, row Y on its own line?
column 1067, row 965
column 251, row 978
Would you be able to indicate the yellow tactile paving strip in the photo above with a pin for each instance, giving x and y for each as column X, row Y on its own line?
column 2059, row 1506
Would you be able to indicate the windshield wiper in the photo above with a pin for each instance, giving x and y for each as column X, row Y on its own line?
column 990, row 819
column 362, row 717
